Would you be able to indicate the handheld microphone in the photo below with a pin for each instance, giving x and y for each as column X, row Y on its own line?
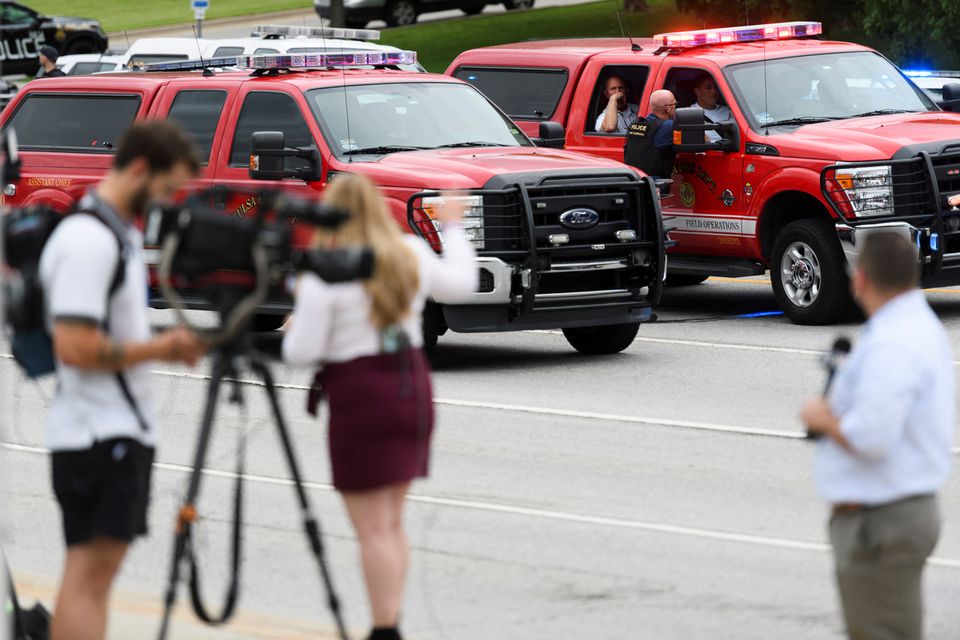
column 841, row 347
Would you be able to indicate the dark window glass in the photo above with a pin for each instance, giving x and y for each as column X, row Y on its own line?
column 223, row 52
column 84, row 68
column 83, row 124
column 198, row 113
column 15, row 14
column 270, row 111
column 264, row 52
column 150, row 58
column 527, row 94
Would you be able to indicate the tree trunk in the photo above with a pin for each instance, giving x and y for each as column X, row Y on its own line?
column 337, row 14
column 635, row 6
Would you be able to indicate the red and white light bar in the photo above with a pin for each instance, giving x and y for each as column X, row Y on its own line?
column 751, row 33
column 275, row 30
column 329, row 60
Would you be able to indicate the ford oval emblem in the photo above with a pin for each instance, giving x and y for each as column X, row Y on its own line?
column 579, row 219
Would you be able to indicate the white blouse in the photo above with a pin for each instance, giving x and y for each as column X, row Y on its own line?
column 331, row 322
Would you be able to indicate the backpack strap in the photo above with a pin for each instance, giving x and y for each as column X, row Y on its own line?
column 91, row 205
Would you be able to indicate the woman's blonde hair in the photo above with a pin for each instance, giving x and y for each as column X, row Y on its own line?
column 396, row 275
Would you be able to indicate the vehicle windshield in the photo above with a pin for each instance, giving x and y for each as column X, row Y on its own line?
column 818, row 88
column 384, row 118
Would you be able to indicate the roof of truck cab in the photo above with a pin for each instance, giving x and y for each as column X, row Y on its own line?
column 559, row 53
column 307, row 79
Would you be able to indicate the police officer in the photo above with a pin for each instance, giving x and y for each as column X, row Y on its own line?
column 48, row 63
column 101, row 428
column 888, row 427
column 649, row 141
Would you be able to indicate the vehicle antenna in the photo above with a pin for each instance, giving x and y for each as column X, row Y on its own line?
column 746, row 10
column 766, row 108
column 206, row 71
column 633, row 45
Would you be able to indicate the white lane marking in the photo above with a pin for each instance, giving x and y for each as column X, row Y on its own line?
column 566, row 413
column 546, row 514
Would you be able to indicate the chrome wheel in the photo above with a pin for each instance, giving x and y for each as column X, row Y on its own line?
column 801, row 274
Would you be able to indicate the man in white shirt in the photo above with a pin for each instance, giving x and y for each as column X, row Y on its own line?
column 888, row 427
column 618, row 114
column 101, row 428
column 708, row 99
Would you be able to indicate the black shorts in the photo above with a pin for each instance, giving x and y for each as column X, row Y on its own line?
column 103, row 491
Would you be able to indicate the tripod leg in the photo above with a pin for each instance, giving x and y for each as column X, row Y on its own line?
column 310, row 523
column 188, row 510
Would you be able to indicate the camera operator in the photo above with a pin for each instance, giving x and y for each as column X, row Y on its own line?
column 101, row 428
column 888, row 425
column 367, row 336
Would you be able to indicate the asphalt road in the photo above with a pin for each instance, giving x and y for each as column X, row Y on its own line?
column 240, row 27
column 661, row 493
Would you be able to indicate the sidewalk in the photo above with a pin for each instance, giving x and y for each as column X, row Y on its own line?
column 137, row 615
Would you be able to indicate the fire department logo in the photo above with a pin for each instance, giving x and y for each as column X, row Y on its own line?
column 687, row 194
column 579, row 219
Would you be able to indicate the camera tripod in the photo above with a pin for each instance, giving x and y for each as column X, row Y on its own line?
column 227, row 362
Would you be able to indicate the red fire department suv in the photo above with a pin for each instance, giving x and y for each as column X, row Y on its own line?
column 825, row 143
column 565, row 240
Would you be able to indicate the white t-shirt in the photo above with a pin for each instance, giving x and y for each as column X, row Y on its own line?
column 331, row 322
column 76, row 268
column 624, row 118
column 720, row 113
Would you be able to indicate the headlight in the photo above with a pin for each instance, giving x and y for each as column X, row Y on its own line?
column 868, row 190
column 472, row 216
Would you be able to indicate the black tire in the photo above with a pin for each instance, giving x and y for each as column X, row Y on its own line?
column 683, row 280
column 399, row 13
column 603, row 340
column 80, row 45
column 473, row 10
column 808, row 272
column 263, row 322
column 355, row 23
column 512, row 5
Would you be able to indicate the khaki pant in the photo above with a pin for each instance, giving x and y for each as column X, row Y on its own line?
column 880, row 553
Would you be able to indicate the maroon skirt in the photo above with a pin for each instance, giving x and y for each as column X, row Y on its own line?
column 381, row 419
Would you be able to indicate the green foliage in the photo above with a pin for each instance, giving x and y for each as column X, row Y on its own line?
column 920, row 32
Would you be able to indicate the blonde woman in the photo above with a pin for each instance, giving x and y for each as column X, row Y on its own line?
column 367, row 338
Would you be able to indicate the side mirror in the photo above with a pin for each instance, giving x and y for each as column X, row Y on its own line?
column 690, row 127
column 552, row 135
column 951, row 97
column 268, row 151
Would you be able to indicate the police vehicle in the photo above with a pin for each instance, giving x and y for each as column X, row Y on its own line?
column 397, row 13
column 932, row 82
column 24, row 31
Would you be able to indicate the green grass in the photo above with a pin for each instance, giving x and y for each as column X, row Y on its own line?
column 120, row 15
column 438, row 43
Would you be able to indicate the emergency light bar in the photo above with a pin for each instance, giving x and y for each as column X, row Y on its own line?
column 193, row 65
column 329, row 60
column 931, row 74
column 276, row 30
column 752, row 33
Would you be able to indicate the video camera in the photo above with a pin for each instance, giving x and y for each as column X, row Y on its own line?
column 199, row 242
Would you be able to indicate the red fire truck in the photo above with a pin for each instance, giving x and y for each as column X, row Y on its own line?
column 565, row 240
column 825, row 142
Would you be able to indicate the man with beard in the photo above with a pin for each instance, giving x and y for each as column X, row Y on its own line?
column 101, row 428
column 618, row 114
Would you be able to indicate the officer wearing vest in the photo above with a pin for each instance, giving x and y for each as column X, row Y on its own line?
column 101, row 429
column 649, row 141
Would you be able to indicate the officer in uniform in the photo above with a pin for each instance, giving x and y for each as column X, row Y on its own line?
column 649, row 141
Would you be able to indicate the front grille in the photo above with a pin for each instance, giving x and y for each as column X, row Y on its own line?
column 947, row 170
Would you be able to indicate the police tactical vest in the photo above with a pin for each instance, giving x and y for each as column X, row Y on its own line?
column 639, row 152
